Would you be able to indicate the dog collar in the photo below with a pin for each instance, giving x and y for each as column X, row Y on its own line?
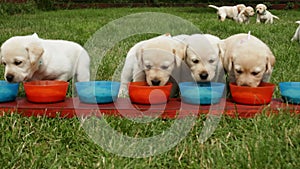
column 265, row 12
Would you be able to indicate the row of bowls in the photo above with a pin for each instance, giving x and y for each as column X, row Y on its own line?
column 139, row 92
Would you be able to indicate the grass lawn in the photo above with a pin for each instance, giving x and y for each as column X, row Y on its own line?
column 262, row 142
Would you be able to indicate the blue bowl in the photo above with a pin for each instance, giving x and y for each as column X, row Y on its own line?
column 97, row 91
column 8, row 91
column 290, row 92
column 203, row 93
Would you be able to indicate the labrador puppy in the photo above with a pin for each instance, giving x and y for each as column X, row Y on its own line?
column 202, row 56
column 245, row 14
column 28, row 58
column 154, row 61
column 297, row 33
column 263, row 15
column 230, row 12
column 247, row 60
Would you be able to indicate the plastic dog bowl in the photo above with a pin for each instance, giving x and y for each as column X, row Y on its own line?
column 142, row 93
column 290, row 92
column 252, row 95
column 97, row 91
column 46, row 91
column 8, row 91
column 203, row 93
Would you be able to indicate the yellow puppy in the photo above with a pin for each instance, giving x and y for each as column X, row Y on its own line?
column 246, row 59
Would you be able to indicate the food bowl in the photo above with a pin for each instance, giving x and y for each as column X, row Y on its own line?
column 142, row 93
column 46, row 91
column 203, row 93
column 8, row 91
column 97, row 91
column 252, row 95
column 290, row 92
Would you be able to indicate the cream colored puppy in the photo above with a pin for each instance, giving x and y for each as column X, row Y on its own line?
column 153, row 61
column 263, row 15
column 245, row 14
column 246, row 59
column 297, row 33
column 28, row 58
column 230, row 12
column 202, row 56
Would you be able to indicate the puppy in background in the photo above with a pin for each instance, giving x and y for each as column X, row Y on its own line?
column 202, row 56
column 263, row 15
column 297, row 33
column 230, row 12
column 247, row 60
column 245, row 14
column 28, row 58
column 153, row 61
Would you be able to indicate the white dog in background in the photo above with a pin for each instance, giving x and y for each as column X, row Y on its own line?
column 247, row 60
column 155, row 61
column 297, row 33
column 202, row 56
column 28, row 58
column 263, row 15
column 230, row 12
column 245, row 14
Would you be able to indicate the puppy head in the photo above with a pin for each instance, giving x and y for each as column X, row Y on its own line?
column 202, row 58
column 158, row 58
column 240, row 7
column 260, row 8
column 248, row 66
column 249, row 11
column 21, row 55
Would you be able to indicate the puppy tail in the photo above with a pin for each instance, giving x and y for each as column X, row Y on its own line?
column 213, row 6
column 298, row 22
column 276, row 17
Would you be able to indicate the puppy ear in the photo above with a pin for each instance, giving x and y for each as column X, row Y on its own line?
column 177, row 57
column 139, row 56
column 270, row 63
column 35, row 35
column 35, row 52
column 180, row 51
column 226, row 60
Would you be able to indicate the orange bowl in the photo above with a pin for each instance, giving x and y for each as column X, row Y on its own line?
column 142, row 93
column 46, row 91
column 252, row 95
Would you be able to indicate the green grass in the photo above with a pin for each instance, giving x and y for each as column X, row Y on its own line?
column 261, row 142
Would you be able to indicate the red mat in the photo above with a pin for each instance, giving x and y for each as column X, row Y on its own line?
column 72, row 107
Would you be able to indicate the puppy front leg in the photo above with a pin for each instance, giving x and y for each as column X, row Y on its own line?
column 257, row 19
column 126, row 77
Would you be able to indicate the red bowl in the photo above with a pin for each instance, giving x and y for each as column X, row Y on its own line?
column 46, row 91
column 142, row 93
column 252, row 95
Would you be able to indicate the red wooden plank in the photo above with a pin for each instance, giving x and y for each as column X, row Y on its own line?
column 72, row 107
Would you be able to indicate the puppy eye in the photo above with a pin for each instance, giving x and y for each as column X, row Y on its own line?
column 211, row 61
column 195, row 61
column 239, row 71
column 254, row 73
column 4, row 63
column 148, row 66
column 17, row 63
column 164, row 67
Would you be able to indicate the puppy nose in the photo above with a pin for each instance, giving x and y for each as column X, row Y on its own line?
column 203, row 75
column 9, row 77
column 155, row 82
